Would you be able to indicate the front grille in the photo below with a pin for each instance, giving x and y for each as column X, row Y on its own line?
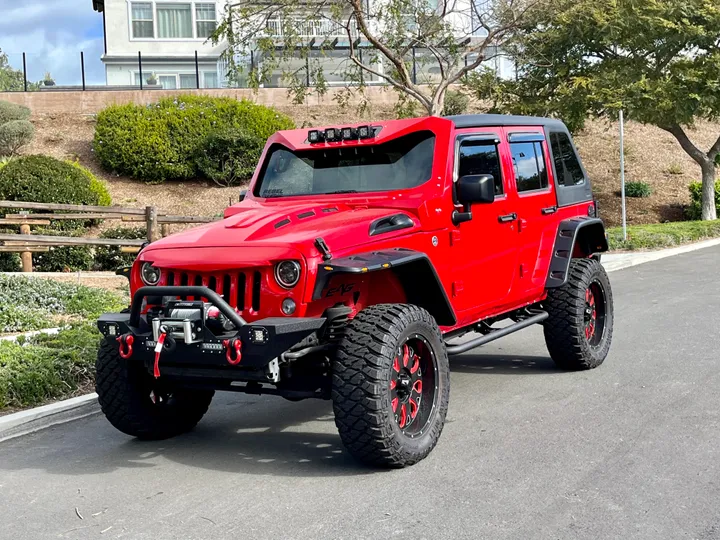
column 240, row 289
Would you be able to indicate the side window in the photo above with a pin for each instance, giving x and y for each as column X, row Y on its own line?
column 567, row 167
column 480, row 157
column 529, row 164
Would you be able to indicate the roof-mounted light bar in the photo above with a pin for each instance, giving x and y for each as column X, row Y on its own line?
column 316, row 136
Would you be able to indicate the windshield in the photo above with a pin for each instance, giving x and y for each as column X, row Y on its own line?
column 402, row 163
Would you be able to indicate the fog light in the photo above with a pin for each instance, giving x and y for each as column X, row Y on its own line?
column 331, row 134
column 364, row 132
column 348, row 134
column 288, row 306
column 149, row 274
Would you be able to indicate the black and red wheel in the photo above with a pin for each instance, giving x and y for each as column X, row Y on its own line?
column 140, row 405
column 391, row 385
column 578, row 331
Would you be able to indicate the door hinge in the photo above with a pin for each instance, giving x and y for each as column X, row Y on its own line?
column 454, row 238
column 457, row 288
column 522, row 223
column 522, row 270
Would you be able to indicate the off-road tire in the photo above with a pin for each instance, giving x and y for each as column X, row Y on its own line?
column 564, row 329
column 124, row 391
column 361, row 376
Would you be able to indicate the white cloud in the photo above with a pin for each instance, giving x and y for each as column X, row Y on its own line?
column 52, row 33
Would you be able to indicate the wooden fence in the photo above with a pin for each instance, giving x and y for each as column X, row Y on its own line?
column 26, row 243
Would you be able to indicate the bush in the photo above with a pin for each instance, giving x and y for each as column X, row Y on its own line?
column 9, row 112
column 662, row 235
column 229, row 156
column 160, row 142
column 14, row 135
column 694, row 211
column 455, row 103
column 637, row 189
column 48, row 367
column 96, row 185
column 47, row 180
column 34, row 303
column 111, row 258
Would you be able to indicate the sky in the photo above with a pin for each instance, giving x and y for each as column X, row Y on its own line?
column 52, row 33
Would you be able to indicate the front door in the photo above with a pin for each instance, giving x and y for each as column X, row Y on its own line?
column 485, row 248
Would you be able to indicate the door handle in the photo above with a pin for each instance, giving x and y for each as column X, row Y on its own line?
column 507, row 218
column 548, row 210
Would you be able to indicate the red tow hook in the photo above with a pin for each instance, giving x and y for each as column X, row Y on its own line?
column 233, row 345
column 126, row 342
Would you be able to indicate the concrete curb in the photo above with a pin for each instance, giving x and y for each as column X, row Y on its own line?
column 618, row 261
column 26, row 422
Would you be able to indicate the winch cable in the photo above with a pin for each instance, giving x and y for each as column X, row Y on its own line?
column 158, row 350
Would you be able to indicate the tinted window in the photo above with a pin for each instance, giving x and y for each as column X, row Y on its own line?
column 403, row 163
column 567, row 166
column 529, row 165
column 480, row 157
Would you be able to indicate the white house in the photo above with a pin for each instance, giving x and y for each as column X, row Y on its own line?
column 164, row 37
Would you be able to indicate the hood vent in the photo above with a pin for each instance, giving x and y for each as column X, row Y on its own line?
column 330, row 209
column 307, row 214
column 282, row 223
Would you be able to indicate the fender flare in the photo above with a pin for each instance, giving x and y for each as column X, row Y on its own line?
column 414, row 270
column 584, row 233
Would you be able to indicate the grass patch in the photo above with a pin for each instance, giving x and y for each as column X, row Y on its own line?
column 43, row 367
column 662, row 235
column 35, row 303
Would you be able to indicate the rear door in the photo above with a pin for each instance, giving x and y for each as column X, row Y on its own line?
column 484, row 248
column 536, row 205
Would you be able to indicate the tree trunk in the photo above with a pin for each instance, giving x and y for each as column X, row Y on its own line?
column 708, row 190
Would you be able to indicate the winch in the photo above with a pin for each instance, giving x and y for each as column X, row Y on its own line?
column 185, row 320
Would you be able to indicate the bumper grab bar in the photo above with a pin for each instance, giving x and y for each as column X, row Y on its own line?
column 184, row 290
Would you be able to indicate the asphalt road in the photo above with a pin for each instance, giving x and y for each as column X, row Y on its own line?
column 630, row 450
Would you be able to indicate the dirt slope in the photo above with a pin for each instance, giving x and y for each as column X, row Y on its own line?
column 652, row 156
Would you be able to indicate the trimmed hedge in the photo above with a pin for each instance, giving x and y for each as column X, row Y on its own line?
column 48, row 180
column 662, row 235
column 160, row 142
column 694, row 211
column 229, row 156
column 48, row 367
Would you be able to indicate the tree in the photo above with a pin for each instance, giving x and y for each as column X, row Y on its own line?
column 419, row 47
column 657, row 60
column 11, row 80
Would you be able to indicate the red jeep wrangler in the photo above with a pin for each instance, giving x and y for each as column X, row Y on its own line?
column 350, row 270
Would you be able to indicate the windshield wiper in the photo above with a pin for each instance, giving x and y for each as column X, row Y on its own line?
column 339, row 191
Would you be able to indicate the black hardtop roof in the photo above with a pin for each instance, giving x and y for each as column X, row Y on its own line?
column 488, row 120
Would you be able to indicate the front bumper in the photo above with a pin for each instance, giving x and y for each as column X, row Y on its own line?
column 261, row 341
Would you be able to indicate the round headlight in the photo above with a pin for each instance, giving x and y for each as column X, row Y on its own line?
column 149, row 274
column 287, row 273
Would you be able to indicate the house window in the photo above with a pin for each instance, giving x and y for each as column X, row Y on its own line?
column 174, row 21
column 188, row 80
column 211, row 79
column 168, row 82
column 205, row 19
column 142, row 20
column 529, row 164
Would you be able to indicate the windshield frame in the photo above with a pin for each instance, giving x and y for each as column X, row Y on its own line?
column 275, row 145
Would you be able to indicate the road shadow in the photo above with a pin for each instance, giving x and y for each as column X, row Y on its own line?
column 240, row 434
column 503, row 364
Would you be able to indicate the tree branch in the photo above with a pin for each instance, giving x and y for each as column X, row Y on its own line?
column 700, row 157
column 714, row 150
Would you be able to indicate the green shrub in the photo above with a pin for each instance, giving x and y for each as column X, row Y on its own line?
column 96, row 185
column 31, row 303
column 14, row 135
column 662, row 235
column 160, row 142
column 9, row 262
column 47, row 366
column 455, row 103
column 10, row 112
column 694, row 211
column 110, row 257
column 47, row 180
column 63, row 259
column 229, row 157
column 637, row 189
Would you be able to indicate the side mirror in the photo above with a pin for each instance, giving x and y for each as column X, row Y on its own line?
column 473, row 188
column 476, row 188
column 243, row 192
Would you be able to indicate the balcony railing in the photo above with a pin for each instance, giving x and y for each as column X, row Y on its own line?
column 305, row 28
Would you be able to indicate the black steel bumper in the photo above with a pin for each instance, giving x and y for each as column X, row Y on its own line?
column 261, row 341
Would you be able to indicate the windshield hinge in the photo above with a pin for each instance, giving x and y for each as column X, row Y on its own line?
column 323, row 248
